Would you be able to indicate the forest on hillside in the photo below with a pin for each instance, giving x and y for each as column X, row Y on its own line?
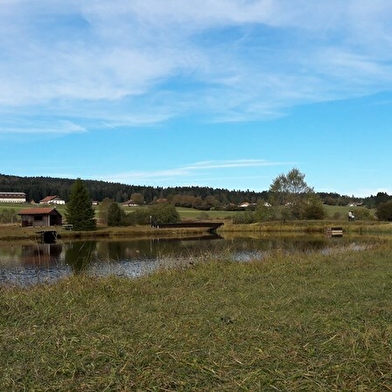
column 36, row 188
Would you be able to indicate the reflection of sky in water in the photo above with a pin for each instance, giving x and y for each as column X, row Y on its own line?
column 126, row 268
column 134, row 268
column 31, row 275
column 247, row 256
column 43, row 263
column 347, row 248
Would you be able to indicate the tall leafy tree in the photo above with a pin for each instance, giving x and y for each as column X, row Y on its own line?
column 79, row 211
column 295, row 198
column 289, row 188
column 138, row 198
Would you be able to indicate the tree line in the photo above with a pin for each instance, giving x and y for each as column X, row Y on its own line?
column 203, row 198
column 289, row 198
column 36, row 188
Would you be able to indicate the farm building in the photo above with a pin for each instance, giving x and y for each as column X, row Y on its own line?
column 130, row 203
column 40, row 217
column 12, row 197
column 52, row 200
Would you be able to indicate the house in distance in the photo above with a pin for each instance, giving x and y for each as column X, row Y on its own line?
column 52, row 200
column 12, row 197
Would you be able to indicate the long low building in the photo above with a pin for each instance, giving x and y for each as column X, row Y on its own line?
column 12, row 197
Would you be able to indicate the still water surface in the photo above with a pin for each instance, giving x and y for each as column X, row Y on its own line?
column 36, row 263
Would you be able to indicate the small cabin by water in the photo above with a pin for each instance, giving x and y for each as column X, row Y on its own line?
column 40, row 217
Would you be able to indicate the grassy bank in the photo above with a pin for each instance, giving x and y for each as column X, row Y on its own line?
column 299, row 322
column 20, row 234
column 16, row 233
column 314, row 226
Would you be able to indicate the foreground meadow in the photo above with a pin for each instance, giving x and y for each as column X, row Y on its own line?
column 308, row 322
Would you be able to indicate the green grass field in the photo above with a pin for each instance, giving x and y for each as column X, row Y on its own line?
column 20, row 206
column 286, row 323
column 337, row 213
column 184, row 211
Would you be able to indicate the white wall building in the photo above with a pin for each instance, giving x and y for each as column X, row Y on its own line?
column 12, row 197
column 52, row 200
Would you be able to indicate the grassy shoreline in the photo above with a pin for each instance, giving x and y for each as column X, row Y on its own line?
column 20, row 234
column 287, row 322
column 17, row 233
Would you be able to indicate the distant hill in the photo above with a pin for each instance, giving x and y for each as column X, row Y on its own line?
column 36, row 188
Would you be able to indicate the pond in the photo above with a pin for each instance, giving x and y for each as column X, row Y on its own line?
column 35, row 263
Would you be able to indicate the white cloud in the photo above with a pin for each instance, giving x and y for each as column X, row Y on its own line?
column 41, row 126
column 145, row 61
column 236, row 163
column 188, row 171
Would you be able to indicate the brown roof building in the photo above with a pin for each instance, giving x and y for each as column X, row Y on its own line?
column 52, row 200
column 40, row 217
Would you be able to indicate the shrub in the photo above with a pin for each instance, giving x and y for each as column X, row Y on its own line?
column 384, row 211
column 363, row 213
column 244, row 217
column 203, row 216
column 8, row 216
column 314, row 211
column 163, row 213
column 337, row 215
column 138, row 217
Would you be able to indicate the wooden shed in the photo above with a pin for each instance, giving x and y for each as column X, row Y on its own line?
column 38, row 217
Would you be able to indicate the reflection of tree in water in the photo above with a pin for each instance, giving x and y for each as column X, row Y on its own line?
column 79, row 255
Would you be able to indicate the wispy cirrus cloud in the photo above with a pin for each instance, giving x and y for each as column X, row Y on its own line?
column 144, row 62
column 14, row 126
column 239, row 163
column 197, row 170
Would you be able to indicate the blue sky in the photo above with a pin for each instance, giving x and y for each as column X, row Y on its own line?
column 220, row 93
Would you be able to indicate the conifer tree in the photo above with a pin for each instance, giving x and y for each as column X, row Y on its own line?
column 115, row 214
column 79, row 210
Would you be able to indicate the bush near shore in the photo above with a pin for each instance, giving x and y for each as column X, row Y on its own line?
column 309, row 322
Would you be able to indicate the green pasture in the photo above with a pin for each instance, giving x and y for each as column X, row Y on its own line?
column 185, row 213
column 192, row 214
column 342, row 211
column 16, row 206
column 333, row 212
column 21, row 206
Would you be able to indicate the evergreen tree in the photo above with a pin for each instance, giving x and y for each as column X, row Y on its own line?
column 115, row 214
column 79, row 211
